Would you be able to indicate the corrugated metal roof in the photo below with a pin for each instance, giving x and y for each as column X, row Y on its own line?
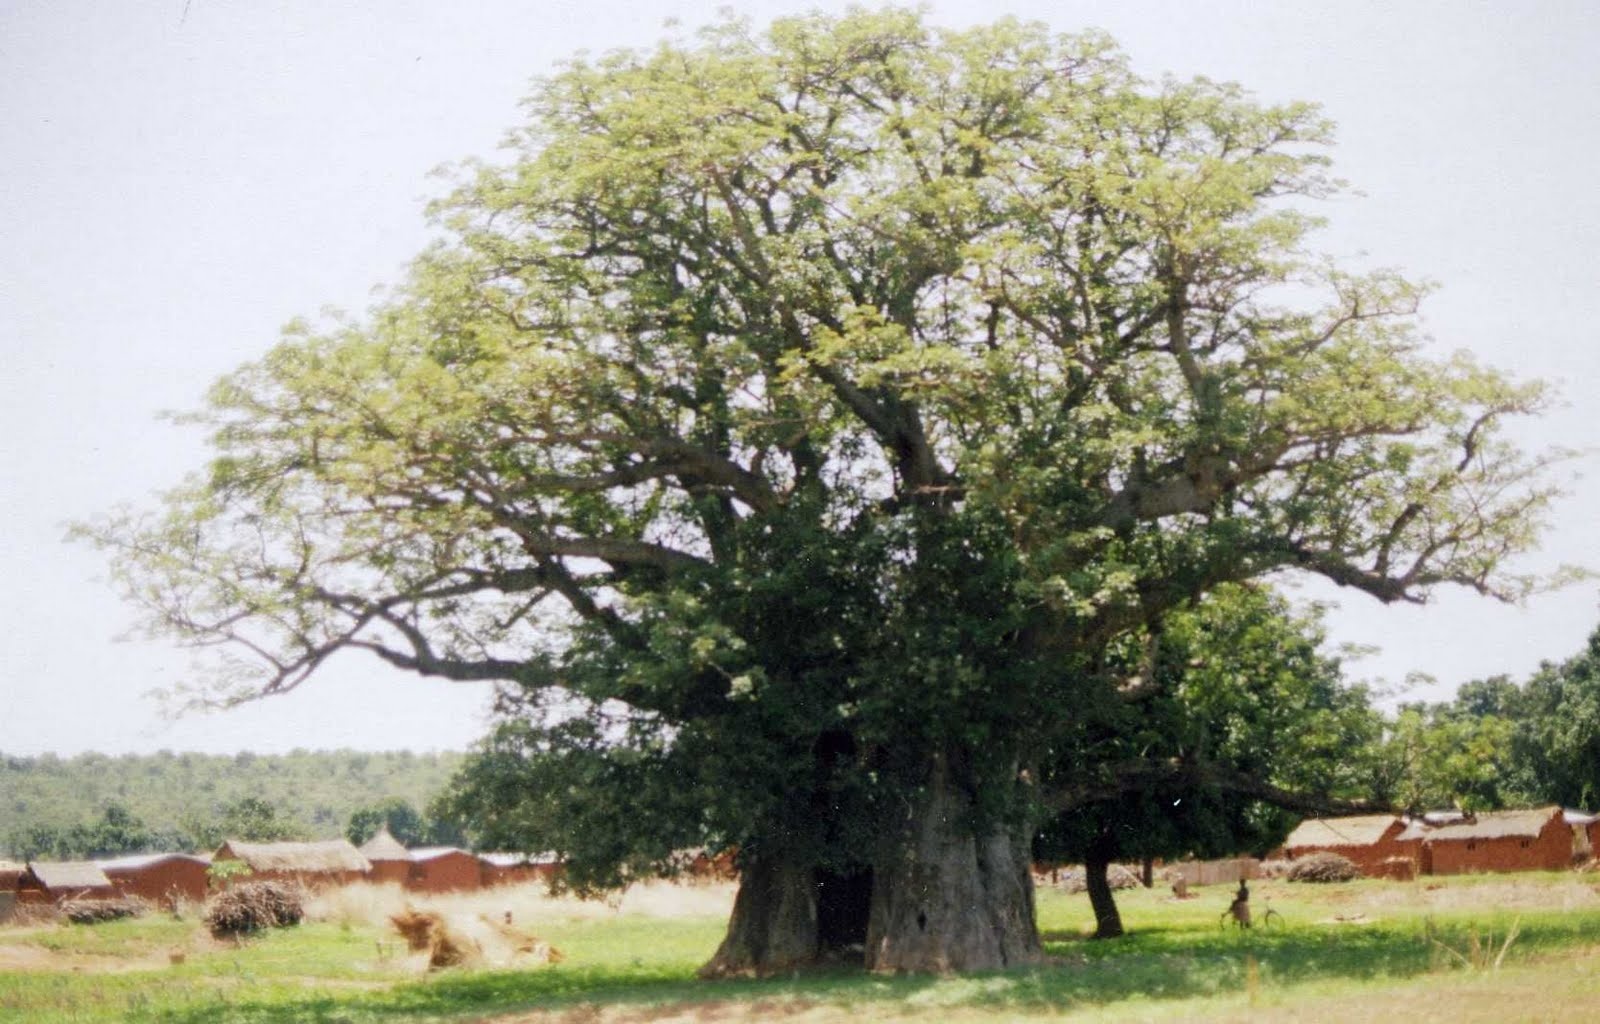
column 327, row 857
column 1362, row 830
column 435, row 852
column 1579, row 818
column 510, row 860
column 69, row 874
column 144, row 860
column 384, row 846
column 1414, row 830
column 503, row 860
column 1523, row 824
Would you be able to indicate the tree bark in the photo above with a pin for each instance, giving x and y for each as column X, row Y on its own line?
column 1107, row 922
column 944, row 899
column 773, row 927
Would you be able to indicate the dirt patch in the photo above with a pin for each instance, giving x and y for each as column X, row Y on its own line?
column 1552, row 988
column 528, row 905
column 37, row 958
column 728, row 1011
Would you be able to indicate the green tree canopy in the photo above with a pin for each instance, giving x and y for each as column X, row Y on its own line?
column 395, row 814
column 820, row 406
column 1231, row 720
column 257, row 821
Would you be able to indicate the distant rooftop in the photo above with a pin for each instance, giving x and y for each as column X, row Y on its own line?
column 1361, row 830
column 144, row 860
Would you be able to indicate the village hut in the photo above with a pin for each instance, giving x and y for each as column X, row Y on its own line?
column 501, row 868
column 315, row 865
column 162, row 878
column 390, row 861
column 58, row 881
column 1371, row 841
column 444, row 869
column 1526, row 840
column 1583, row 829
column 11, row 873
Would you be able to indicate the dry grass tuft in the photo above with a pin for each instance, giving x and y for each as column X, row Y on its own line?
column 426, row 930
column 362, row 903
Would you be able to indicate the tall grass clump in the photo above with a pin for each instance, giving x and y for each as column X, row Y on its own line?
column 1476, row 955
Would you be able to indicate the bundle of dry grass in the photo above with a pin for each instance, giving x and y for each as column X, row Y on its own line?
column 1118, row 877
column 254, row 906
column 426, row 930
column 1324, row 867
column 521, row 943
column 96, row 911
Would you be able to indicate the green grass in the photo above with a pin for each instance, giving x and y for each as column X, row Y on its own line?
column 1176, row 963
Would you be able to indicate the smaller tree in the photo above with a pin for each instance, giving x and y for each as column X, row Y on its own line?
column 1441, row 755
column 396, row 814
column 255, row 820
column 1558, row 734
column 117, row 831
column 1208, row 737
column 40, row 842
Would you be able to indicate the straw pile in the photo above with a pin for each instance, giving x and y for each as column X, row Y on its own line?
column 426, row 930
column 1073, row 880
column 521, row 943
column 1324, row 867
column 252, row 907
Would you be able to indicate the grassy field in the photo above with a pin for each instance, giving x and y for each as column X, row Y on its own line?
column 1364, row 951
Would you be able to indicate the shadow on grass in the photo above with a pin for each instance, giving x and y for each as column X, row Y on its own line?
column 1177, row 963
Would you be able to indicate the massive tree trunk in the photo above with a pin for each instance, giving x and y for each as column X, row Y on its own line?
column 773, row 927
column 945, row 899
column 789, row 915
column 1096, row 865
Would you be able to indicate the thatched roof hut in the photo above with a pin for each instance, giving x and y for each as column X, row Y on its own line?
column 391, row 862
column 1534, row 839
column 1520, row 824
column 384, row 846
column 444, row 869
column 1371, row 841
column 163, row 878
column 55, row 881
column 328, row 862
column 1361, row 830
column 11, row 873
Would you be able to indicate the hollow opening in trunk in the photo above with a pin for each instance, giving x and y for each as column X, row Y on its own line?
column 844, row 902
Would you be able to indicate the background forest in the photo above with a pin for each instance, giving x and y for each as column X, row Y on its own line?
column 1500, row 743
column 94, row 804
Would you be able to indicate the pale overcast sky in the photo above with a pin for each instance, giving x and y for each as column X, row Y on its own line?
column 178, row 179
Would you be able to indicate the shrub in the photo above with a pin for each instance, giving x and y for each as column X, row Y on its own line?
column 1324, row 867
column 254, row 906
column 95, row 911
